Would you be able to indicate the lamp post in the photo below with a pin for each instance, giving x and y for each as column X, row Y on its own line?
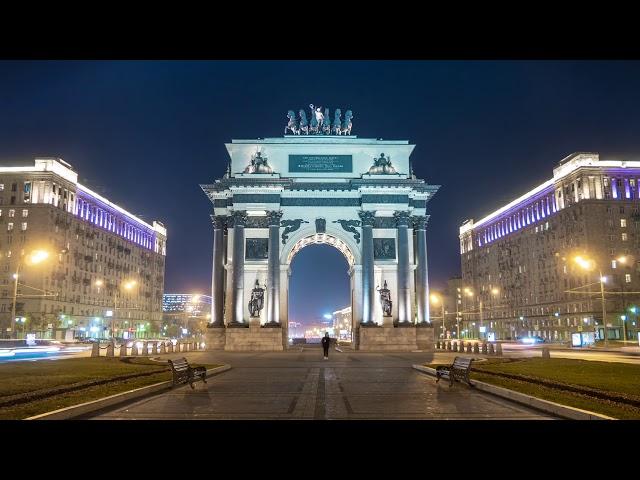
column 588, row 265
column 36, row 257
column 623, row 317
column 128, row 286
column 435, row 299
column 469, row 293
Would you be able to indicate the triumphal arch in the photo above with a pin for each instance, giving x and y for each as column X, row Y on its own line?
column 320, row 184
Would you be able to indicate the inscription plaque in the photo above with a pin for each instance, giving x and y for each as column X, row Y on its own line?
column 320, row 163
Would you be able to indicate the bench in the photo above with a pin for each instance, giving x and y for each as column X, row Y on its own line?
column 183, row 372
column 459, row 370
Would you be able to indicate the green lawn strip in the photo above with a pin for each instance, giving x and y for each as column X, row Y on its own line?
column 22, row 377
column 603, row 377
column 571, row 399
column 619, row 378
column 25, row 410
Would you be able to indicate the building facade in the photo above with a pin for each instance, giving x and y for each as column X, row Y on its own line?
column 520, row 267
column 342, row 324
column 104, row 267
column 185, row 314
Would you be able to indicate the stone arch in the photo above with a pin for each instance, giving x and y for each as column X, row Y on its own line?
column 333, row 237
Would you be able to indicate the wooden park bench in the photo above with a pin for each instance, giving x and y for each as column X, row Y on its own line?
column 183, row 372
column 459, row 370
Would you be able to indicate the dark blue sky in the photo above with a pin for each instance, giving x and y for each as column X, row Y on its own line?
column 147, row 133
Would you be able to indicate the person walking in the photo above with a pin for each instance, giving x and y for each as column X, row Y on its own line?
column 326, row 341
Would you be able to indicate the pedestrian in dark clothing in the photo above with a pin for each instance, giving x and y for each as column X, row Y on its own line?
column 326, row 341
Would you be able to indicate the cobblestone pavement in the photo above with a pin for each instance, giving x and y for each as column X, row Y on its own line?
column 299, row 384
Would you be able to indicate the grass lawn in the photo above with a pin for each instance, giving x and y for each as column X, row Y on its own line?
column 618, row 378
column 35, row 377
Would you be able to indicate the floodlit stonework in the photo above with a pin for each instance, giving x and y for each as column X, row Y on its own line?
column 282, row 194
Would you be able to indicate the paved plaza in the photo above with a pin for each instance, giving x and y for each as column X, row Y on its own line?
column 299, row 384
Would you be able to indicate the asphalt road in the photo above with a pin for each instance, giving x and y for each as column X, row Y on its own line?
column 299, row 384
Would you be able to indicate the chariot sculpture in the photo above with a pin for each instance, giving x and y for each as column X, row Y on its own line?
column 320, row 123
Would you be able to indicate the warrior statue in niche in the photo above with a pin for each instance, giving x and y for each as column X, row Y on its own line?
column 257, row 300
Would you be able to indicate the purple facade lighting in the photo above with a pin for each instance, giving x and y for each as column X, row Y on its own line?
column 93, row 210
column 627, row 193
column 614, row 188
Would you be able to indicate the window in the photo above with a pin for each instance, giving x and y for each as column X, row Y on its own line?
column 25, row 213
column 12, row 213
column 24, row 226
column 14, row 187
column 624, row 237
column 1, row 187
column 623, row 223
column 613, row 264
column 9, row 226
column 627, row 278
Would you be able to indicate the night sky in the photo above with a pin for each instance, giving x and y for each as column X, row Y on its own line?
column 146, row 134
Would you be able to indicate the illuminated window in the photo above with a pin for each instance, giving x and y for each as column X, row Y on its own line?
column 624, row 237
column 1, row 187
column 627, row 278
column 9, row 226
column 25, row 213
column 613, row 264
column 12, row 213
column 24, row 226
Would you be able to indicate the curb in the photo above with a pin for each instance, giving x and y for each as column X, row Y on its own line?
column 553, row 408
column 95, row 405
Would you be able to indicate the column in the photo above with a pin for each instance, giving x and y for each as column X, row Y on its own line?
column 404, row 284
column 368, row 286
column 217, row 277
column 422, row 280
column 273, row 274
column 237, row 295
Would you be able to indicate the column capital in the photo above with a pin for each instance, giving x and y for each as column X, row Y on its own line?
column 402, row 218
column 219, row 221
column 274, row 217
column 367, row 217
column 238, row 219
column 420, row 221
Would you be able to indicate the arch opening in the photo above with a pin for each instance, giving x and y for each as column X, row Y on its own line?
column 325, row 239
column 319, row 292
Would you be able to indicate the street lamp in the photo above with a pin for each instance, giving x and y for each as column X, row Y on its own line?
column 435, row 299
column 586, row 264
column 37, row 256
column 623, row 260
column 128, row 286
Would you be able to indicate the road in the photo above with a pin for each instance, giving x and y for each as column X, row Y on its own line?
column 301, row 385
column 34, row 354
column 524, row 351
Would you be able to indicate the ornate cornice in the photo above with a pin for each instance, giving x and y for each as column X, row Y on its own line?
column 367, row 217
column 420, row 222
column 219, row 221
column 274, row 217
column 402, row 218
column 238, row 219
